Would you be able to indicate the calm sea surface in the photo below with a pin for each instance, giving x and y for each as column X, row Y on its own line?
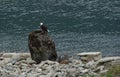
column 75, row 25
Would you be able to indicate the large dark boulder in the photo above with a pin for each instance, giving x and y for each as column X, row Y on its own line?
column 41, row 46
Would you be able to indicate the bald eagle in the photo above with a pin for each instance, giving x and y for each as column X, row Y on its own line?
column 43, row 28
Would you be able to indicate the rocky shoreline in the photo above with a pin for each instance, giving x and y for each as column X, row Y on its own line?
column 89, row 64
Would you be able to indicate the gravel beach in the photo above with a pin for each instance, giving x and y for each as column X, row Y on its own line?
column 21, row 65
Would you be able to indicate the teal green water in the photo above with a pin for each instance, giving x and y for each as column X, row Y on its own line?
column 75, row 25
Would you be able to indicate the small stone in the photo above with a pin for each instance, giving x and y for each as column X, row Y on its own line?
column 90, row 64
column 23, row 75
column 84, row 71
column 30, row 75
column 12, row 75
column 76, row 61
column 1, row 54
column 103, row 71
column 30, row 61
column 98, row 69
column 81, row 68
column 71, row 72
column 38, row 70
column 1, row 58
column 116, row 62
column 48, row 62
column 7, row 60
column 64, row 59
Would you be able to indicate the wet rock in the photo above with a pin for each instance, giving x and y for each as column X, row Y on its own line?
column 41, row 47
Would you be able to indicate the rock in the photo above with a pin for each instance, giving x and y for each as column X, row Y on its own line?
column 84, row 71
column 11, row 75
column 30, row 61
column 1, row 54
column 7, row 60
column 106, row 60
column 45, row 64
column 63, row 59
column 41, row 47
column 14, row 58
column 60, row 73
column 49, row 62
column 98, row 69
column 103, row 71
column 1, row 58
column 116, row 62
column 34, row 75
column 88, row 56
column 23, row 75
column 9, row 55
column 38, row 70
column 16, row 55
column 71, row 72
column 90, row 64
column 7, row 73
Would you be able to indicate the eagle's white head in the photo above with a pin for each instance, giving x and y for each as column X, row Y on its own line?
column 41, row 23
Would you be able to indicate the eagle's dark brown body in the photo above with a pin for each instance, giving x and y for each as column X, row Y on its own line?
column 44, row 28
